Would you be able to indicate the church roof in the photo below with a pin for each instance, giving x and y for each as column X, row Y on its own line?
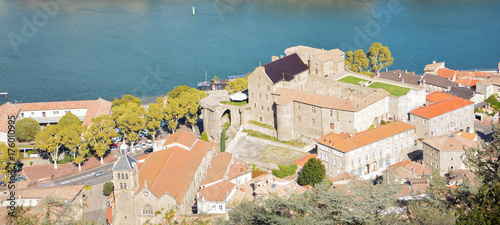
column 124, row 163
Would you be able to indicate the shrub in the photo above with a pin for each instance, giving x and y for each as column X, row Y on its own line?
column 26, row 129
column 285, row 171
column 108, row 188
column 262, row 125
column 204, row 136
column 31, row 163
column 87, row 187
column 258, row 173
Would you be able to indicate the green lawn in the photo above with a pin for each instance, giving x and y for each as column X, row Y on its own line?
column 352, row 80
column 393, row 89
column 235, row 103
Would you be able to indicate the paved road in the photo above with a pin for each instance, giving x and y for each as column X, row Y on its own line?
column 88, row 176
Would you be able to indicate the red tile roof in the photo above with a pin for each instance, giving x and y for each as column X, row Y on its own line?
column 97, row 108
column 466, row 82
column 447, row 73
column 346, row 144
column 410, row 169
column 37, row 106
column 441, row 107
column 6, row 110
column 286, row 96
column 217, row 192
column 237, row 169
column 172, row 170
column 457, row 74
column 218, row 168
column 438, row 97
column 109, row 214
column 182, row 137
column 450, row 142
column 303, row 160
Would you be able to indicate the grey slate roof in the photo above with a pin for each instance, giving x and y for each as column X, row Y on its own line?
column 401, row 76
column 461, row 92
column 437, row 81
column 124, row 163
column 285, row 68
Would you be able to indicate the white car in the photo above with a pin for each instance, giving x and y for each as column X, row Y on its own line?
column 137, row 147
column 143, row 145
column 150, row 143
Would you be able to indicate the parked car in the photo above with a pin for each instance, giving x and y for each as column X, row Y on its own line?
column 113, row 148
column 137, row 147
column 113, row 145
column 98, row 174
column 143, row 145
column 150, row 143
column 149, row 150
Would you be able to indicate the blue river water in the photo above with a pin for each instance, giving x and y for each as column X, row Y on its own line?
column 84, row 49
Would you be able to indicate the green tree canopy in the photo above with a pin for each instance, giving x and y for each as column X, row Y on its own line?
column 238, row 84
column 130, row 119
column 312, row 173
column 100, row 133
column 26, row 129
column 8, row 159
column 380, row 57
column 177, row 91
column 126, row 99
column 182, row 103
column 108, row 188
column 69, row 119
column 154, row 116
column 50, row 139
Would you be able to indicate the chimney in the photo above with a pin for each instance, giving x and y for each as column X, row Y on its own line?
column 281, row 56
column 406, row 71
column 378, row 74
column 399, row 74
column 434, row 62
column 498, row 70
column 274, row 58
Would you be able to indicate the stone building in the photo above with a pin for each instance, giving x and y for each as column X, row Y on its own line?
column 443, row 114
column 167, row 178
column 445, row 152
column 368, row 152
column 433, row 68
column 300, row 96
column 435, row 83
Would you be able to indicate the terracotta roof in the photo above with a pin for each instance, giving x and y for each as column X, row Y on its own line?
column 335, row 54
column 217, row 192
column 438, row 97
column 343, row 176
column 466, row 82
column 172, row 170
column 285, row 68
column 97, row 108
column 434, row 66
column 437, row 81
column 218, row 167
column 182, row 137
column 300, row 162
column 408, row 169
column 64, row 192
column 37, row 106
column 450, row 142
column 470, row 136
column 6, row 110
column 237, row 169
column 346, row 144
column 447, row 73
column 441, row 107
column 401, row 76
column 286, row 96
column 109, row 215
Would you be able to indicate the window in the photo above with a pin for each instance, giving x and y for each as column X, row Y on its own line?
column 451, row 159
column 255, row 105
column 437, row 166
column 366, row 157
column 448, row 116
column 359, row 172
column 467, row 119
column 432, row 163
column 220, row 206
column 260, row 95
column 461, row 111
column 332, row 126
column 442, row 118
column 359, row 160
column 313, row 109
column 126, row 176
column 412, row 118
column 380, row 163
column 124, row 185
column 335, row 161
column 352, row 162
column 268, row 88
column 32, row 113
column 300, row 119
column 147, row 210
column 435, row 120
column 22, row 114
column 261, row 107
column 266, row 97
column 268, row 109
column 298, row 106
column 467, row 110
column 314, row 122
column 121, row 185
column 342, row 164
column 381, row 152
column 260, row 119
column 43, row 114
column 331, row 112
column 338, row 115
column 442, row 128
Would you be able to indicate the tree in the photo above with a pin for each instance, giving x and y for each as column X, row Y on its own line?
column 72, row 137
column 108, row 188
column 312, row 173
column 238, row 84
column 69, row 119
column 349, row 59
column 216, row 79
column 172, row 112
column 8, row 158
column 50, row 139
column 177, row 91
column 484, row 161
column 100, row 134
column 26, row 129
column 130, row 119
column 154, row 116
column 360, row 62
column 126, row 99
column 81, row 155
column 380, row 57
column 190, row 104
